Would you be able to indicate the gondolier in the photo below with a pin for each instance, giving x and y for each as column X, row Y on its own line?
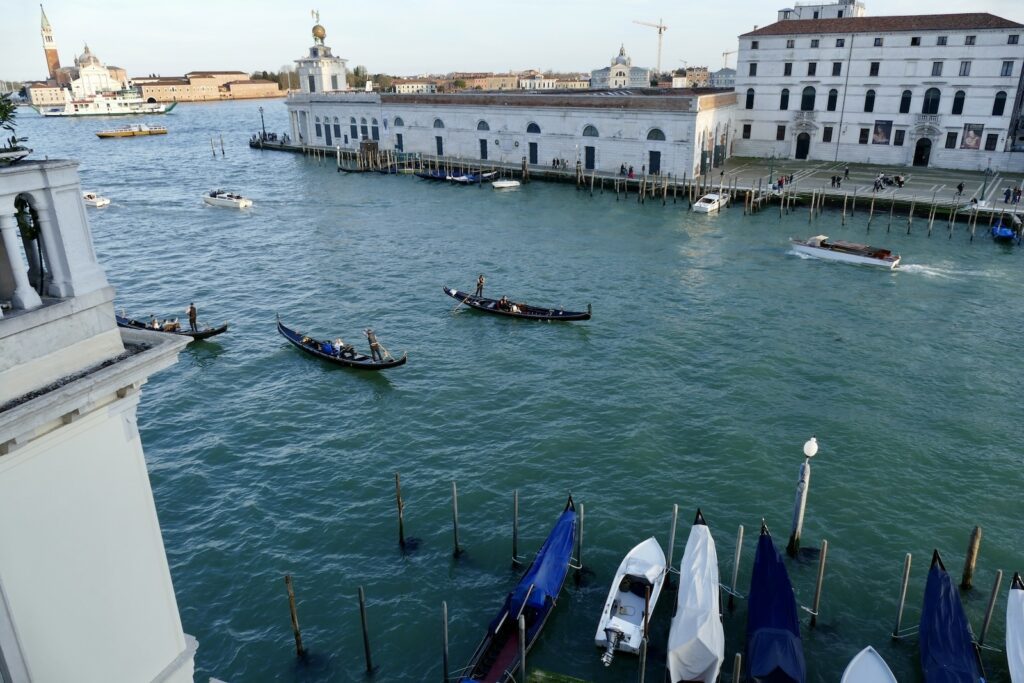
column 374, row 345
column 192, row 315
column 480, row 285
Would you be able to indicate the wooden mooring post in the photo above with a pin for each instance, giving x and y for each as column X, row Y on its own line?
column 973, row 545
column 737, row 668
column 903, row 596
column 522, row 647
column 515, row 527
column 991, row 607
column 736, row 567
column 643, row 659
column 300, row 651
column 817, row 584
column 455, row 521
column 366, row 632
column 444, row 640
column 401, row 511
column 800, row 507
column 672, row 540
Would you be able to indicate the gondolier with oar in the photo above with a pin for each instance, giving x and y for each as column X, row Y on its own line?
column 192, row 316
column 375, row 353
column 480, row 285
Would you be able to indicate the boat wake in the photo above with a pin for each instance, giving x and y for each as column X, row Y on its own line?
column 942, row 273
column 794, row 252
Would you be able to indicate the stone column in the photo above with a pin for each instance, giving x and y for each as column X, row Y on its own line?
column 24, row 296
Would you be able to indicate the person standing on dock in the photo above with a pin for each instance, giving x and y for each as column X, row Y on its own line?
column 480, row 285
column 374, row 345
column 959, row 189
column 846, row 172
column 192, row 316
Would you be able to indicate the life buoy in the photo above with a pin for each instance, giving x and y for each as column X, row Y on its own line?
column 517, row 143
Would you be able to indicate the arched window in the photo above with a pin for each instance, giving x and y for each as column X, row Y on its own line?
column 750, row 98
column 784, row 99
column 352, row 128
column 482, row 125
column 807, row 99
column 438, row 123
column 931, row 101
column 319, row 130
column 1000, row 104
column 533, row 128
column 958, row 102
column 363, row 128
column 833, row 99
column 590, row 132
column 905, row 101
column 869, row 101
column 374, row 130
column 337, row 127
column 656, row 134
column 399, row 122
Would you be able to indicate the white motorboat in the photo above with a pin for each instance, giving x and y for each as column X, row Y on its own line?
column 868, row 667
column 848, row 252
column 637, row 584
column 696, row 640
column 505, row 184
column 710, row 203
column 1015, row 629
column 230, row 200
column 93, row 199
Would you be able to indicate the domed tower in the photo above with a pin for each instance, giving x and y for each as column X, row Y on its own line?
column 321, row 71
column 49, row 45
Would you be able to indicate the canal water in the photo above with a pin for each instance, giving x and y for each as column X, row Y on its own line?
column 713, row 354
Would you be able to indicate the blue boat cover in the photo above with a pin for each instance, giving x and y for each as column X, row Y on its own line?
column 947, row 649
column 774, row 651
column 548, row 570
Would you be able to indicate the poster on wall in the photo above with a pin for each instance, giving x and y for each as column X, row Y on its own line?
column 972, row 136
column 882, row 134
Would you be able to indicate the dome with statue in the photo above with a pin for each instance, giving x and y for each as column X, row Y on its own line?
column 319, row 32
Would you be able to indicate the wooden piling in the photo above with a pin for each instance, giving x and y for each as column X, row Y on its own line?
column 455, row 521
column 931, row 218
column 853, row 205
column 213, row 149
column 892, row 209
column 737, row 668
column 903, row 596
column 579, row 547
column 846, row 196
column 366, row 632
column 522, row 647
column 222, row 144
column 401, row 511
column 800, row 507
column 643, row 659
column 818, row 582
column 515, row 527
column 973, row 545
column 910, row 214
column 444, row 640
column 736, row 567
column 300, row 651
column 871, row 212
column 991, row 607
column 672, row 537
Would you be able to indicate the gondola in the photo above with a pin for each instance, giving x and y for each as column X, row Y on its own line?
column 948, row 653
column 518, row 310
column 496, row 659
column 330, row 352
column 432, row 175
column 774, row 650
column 204, row 333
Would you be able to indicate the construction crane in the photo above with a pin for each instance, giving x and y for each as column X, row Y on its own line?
column 661, row 30
column 725, row 58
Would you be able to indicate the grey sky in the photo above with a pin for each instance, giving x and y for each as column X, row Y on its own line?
column 400, row 36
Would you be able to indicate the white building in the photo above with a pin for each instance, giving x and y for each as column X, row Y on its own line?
column 89, row 76
column 723, row 78
column 919, row 90
column 536, row 81
column 842, row 9
column 85, row 589
column 321, row 71
column 621, row 74
column 410, row 86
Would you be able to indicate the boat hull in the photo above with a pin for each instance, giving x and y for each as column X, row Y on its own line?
column 527, row 312
column 505, row 184
column 204, row 333
column 228, row 203
column 1015, row 629
column 868, row 667
column 357, row 361
column 948, row 652
column 842, row 257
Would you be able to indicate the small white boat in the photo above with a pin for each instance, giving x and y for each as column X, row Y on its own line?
column 93, row 199
column 227, row 199
column 848, row 252
column 505, row 184
column 1015, row 629
column 622, row 621
column 868, row 667
column 710, row 203
column 696, row 640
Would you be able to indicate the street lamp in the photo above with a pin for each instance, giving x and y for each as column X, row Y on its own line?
column 263, row 125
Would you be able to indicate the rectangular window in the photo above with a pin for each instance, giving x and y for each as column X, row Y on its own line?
column 1013, row 39
column 969, row 40
column 915, row 41
column 950, row 140
column 746, row 131
column 312, row 83
column 754, row 44
column 790, row 43
column 965, row 68
column 991, row 140
column 780, row 133
column 753, row 68
column 334, row 81
column 878, row 42
column 936, row 68
column 941, row 40
column 787, row 69
column 815, row 42
column 898, row 137
column 864, row 134
column 817, row 14
column 874, row 69
column 837, row 68
column 812, row 69
column 1007, row 69
column 840, row 42
column 319, row 130
column 826, row 135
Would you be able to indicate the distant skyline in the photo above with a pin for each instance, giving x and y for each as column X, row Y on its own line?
column 412, row 37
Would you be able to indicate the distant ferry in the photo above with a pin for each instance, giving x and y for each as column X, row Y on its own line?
column 121, row 104
column 132, row 131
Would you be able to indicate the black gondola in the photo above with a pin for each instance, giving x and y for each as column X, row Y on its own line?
column 329, row 352
column 516, row 310
column 204, row 333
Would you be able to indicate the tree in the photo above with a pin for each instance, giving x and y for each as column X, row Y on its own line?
column 458, row 84
column 384, row 81
column 8, row 112
column 357, row 77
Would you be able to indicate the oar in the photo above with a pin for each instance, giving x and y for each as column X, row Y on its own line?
column 462, row 301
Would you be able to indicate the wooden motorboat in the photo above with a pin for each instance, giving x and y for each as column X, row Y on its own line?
column 505, row 184
column 203, row 333
column 868, row 667
column 93, row 199
column 138, row 130
column 225, row 199
column 1015, row 629
column 710, row 203
column 516, row 310
column 338, row 352
column 948, row 652
column 696, row 639
column 631, row 600
column 821, row 247
column 774, row 650
column 473, row 178
column 496, row 659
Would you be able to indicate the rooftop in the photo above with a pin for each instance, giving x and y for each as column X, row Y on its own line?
column 916, row 22
column 655, row 99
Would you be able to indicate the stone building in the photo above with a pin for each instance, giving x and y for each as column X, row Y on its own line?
column 839, row 9
column 409, row 86
column 621, row 74
column 204, row 86
column 723, row 78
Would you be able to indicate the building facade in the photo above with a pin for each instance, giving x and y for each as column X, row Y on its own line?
column 832, row 10
column 405, row 86
column 723, row 78
column 621, row 74
column 923, row 90
column 320, row 71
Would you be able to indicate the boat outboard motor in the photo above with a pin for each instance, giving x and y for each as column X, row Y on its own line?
column 614, row 636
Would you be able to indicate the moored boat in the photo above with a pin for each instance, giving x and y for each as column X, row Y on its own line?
column 496, row 659
column 138, row 130
column 516, row 310
column 204, row 332
column 473, row 178
column 710, row 203
column 93, row 199
column 821, row 247
column 774, row 650
column 505, row 184
column 432, row 175
column 696, row 639
column 230, row 200
column 948, row 653
column 338, row 352
column 1001, row 232
column 868, row 667
column 631, row 600
column 1015, row 629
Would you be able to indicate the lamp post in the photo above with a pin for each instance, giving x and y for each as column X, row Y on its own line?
column 810, row 450
column 263, row 125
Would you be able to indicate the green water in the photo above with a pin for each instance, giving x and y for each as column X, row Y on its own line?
column 713, row 354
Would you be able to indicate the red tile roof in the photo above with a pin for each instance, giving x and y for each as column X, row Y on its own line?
column 917, row 22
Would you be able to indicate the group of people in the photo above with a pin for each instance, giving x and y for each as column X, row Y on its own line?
column 781, row 183
column 628, row 172
column 172, row 324
column 882, row 181
column 341, row 349
column 559, row 163
column 503, row 303
column 1011, row 195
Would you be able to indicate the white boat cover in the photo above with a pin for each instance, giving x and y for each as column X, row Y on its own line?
column 1015, row 633
column 696, row 641
column 868, row 667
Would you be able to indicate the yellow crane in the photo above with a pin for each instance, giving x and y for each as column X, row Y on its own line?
column 661, row 30
column 725, row 58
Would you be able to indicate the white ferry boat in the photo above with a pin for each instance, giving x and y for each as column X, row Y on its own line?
column 127, row 103
column 847, row 252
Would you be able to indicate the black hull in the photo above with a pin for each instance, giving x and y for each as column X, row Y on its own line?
column 359, row 361
column 132, row 324
column 528, row 312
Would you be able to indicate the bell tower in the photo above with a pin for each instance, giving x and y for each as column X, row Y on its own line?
column 49, row 45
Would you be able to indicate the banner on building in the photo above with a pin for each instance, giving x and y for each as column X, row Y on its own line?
column 882, row 134
column 972, row 136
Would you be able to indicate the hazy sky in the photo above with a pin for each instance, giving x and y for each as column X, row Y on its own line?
column 400, row 36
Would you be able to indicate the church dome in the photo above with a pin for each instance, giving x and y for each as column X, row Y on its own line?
column 87, row 58
column 622, row 58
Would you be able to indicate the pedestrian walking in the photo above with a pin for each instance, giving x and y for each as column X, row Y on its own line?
column 846, row 172
column 959, row 189
column 1007, row 193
